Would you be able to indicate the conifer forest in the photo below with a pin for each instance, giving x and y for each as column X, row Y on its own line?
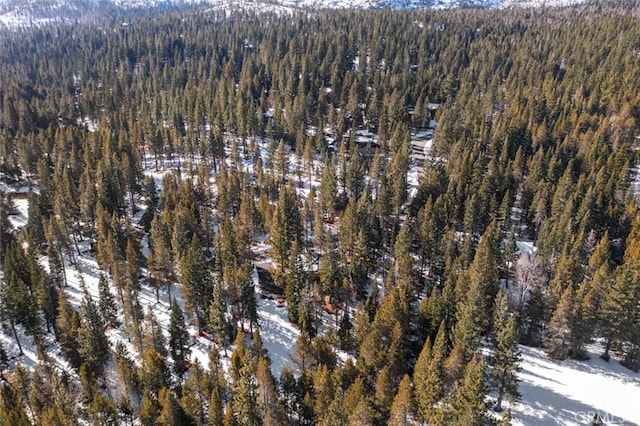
column 418, row 195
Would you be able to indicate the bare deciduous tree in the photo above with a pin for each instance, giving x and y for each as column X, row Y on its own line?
column 529, row 274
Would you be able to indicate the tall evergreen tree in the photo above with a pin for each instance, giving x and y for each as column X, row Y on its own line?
column 107, row 304
column 402, row 408
column 12, row 412
column 171, row 412
column 428, row 376
column 218, row 317
column 560, row 339
column 327, row 192
column 620, row 309
column 128, row 373
column 178, row 339
column 271, row 409
column 103, row 411
column 215, row 413
column 245, row 398
column 467, row 401
column 195, row 392
column 94, row 346
column 505, row 358
column 155, row 373
column 195, row 282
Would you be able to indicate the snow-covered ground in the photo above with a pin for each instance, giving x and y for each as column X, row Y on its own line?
column 277, row 333
column 18, row 217
column 526, row 247
column 572, row 392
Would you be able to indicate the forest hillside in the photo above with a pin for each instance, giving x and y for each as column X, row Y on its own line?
column 334, row 217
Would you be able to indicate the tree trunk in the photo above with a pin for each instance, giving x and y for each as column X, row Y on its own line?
column 605, row 354
column 498, row 406
column 64, row 270
column 75, row 243
column 15, row 334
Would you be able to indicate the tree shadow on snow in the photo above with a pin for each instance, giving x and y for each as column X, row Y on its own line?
column 552, row 408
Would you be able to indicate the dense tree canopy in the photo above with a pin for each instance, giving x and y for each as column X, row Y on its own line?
column 296, row 131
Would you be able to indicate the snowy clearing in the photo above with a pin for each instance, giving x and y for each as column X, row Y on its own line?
column 277, row 333
column 571, row 392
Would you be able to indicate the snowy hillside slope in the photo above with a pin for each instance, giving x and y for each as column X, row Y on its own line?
column 572, row 392
column 23, row 13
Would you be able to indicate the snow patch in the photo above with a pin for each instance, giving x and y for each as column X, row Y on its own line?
column 570, row 392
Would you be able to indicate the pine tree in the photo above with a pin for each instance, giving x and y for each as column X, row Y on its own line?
column 178, row 339
column 12, row 412
column 506, row 357
column 107, row 304
column 344, row 332
column 290, row 392
column 159, row 262
column 44, row 291
column 245, row 398
column 67, row 325
column 327, row 192
column 399, row 168
column 154, row 337
column 286, row 226
column 568, row 273
column 467, row 402
column 218, row 317
column 620, row 308
column 196, row 392
column 532, row 322
column 404, row 268
column 281, row 162
column 130, row 290
column 402, row 408
column 128, row 373
column 195, row 282
column 215, row 413
column 470, row 318
column 483, row 272
column 323, row 392
column 149, row 410
column 103, row 411
column 559, row 339
column 171, row 412
column 295, row 283
column 428, row 376
column 94, row 346
column 125, row 409
column 384, row 392
column 54, row 253
column 88, row 382
column 510, row 256
column 362, row 415
column 335, row 415
column 354, row 180
column 250, row 305
column 17, row 306
column 218, row 380
column 155, row 374
column 271, row 409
